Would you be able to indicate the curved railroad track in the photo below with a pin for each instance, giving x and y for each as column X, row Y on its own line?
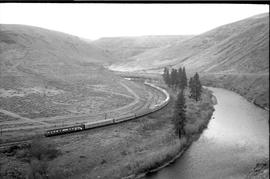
column 121, row 118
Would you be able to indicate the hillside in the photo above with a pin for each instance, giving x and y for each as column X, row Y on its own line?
column 44, row 73
column 234, row 56
column 124, row 48
column 203, row 52
column 31, row 55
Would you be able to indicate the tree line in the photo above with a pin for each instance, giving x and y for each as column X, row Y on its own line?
column 177, row 80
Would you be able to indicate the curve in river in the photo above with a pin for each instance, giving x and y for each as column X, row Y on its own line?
column 236, row 139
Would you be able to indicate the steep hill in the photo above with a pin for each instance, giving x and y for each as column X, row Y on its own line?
column 39, row 54
column 234, row 56
column 123, row 48
column 44, row 73
column 213, row 50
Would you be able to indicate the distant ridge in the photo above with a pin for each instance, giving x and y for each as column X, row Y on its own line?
column 204, row 51
column 233, row 56
column 124, row 48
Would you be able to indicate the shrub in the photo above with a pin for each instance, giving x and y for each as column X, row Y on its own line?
column 13, row 172
column 23, row 153
column 37, row 169
column 56, row 174
column 40, row 150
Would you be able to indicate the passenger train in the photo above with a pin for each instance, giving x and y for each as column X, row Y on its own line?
column 105, row 122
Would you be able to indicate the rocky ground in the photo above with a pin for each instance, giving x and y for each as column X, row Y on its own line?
column 260, row 171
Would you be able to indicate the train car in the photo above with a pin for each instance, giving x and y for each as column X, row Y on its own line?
column 99, row 123
column 143, row 113
column 124, row 118
column 64, row 130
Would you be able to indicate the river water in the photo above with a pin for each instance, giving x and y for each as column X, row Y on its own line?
column 236, row 139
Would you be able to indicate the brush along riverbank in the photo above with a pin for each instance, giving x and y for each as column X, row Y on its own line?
column 125, row 150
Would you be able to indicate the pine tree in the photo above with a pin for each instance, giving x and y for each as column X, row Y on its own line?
column 179, row 78
column 184, row 77
column 180, row 114
column 195, row 87
column 166, row 75
column 191, row 87
column 190, row 82
column 169, row 78
column 174, row 78
column 198, row 86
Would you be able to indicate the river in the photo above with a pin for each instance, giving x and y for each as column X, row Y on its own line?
column 236, row 139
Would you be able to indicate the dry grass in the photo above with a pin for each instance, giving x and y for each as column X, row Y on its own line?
column 198, row 113
column 146, row 97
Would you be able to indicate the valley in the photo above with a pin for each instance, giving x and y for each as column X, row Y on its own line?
column 53, row 80
column 234, row 56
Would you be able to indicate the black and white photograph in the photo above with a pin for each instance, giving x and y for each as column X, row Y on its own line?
column 134, row 90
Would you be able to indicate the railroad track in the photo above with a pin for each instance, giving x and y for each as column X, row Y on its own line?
column 98, row 124
column 15, row 143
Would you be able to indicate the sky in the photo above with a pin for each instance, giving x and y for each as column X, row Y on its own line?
column 93, row 21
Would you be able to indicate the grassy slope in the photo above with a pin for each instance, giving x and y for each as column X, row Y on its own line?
column 234, row 56
column 124, row 48
column 126, row 149
column 232, row 45
column 35, row 58
column 39, row 54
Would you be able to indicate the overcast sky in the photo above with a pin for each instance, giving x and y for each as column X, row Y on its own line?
column 93, row 21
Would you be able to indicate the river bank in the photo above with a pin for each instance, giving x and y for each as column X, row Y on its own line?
column 235, row 141
column 128, row 149
column 253, row 87
column 192, row 135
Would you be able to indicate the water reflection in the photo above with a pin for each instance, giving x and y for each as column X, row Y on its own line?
column 235, row 140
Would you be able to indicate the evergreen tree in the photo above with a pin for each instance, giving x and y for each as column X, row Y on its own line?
column 191, row 87
column 184, row 77
column 190, row 82
column 195, row 87
column 166, row 75
column 198, row 86
column 169, row 78
column 180, row 114
column 180, row 78
column 174, row 78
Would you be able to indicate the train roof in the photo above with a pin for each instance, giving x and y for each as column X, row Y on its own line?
column 79, row 125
